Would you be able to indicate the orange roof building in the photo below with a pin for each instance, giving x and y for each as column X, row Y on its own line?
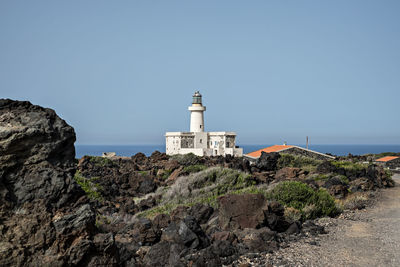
column 275, row 148
column 386, row 159
column 295, row 150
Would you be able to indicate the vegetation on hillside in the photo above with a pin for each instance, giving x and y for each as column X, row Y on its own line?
column 186, row 159
column 306, row 163
column 307, row 202
column 89, row 185
column 350, row 166
column 101, row 161
column 200, row 187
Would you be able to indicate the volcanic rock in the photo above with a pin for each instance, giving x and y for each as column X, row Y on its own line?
column 241, row 211
column 37, row 155
column 267, row 161
column 41, row 225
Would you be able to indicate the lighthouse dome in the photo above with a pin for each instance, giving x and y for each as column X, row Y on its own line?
column 196, row 98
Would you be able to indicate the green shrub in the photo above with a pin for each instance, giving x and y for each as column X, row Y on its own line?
column 194, row 168
column 349, row 166
column 311, row 204
column 324, row 205
column 89, row 185
column 186, row 159
column 166, row 174
column 306, row 163
column 101, row 162
column 344, row 179
column 321, row 177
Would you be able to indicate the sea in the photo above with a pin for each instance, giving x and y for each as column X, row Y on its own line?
column 130, row 150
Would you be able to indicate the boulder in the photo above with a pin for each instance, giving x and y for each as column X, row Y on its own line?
column 163, row 253
column 220, row 253
column 242, row 211
column 46, row 219
column 361, row 184
column 326, row 167
column 201, row 212
column 289, row 173
column 258, row 240
column 268, row 161
column 37, row 155
column 161, row 221
column 224, row 236
column 144, row 233
column 187, row 233
column 264, row 177
column 179, row 213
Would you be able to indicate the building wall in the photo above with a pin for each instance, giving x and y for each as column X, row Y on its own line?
column 200, row 140
column 202, row 143
column 173, row 145
column 216, row 143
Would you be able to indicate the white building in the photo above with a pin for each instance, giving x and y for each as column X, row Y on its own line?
column 199, row 142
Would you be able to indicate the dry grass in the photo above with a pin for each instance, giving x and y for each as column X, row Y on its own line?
column 355, row 201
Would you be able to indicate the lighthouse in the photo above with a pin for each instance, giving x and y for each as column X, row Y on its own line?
column 199, row 142
column 197, row 114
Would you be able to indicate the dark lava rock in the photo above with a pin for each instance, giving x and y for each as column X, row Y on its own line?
column 241, row 211
column 37, row 155
column 144, row 233
column 201, row 212
column 326, row 167
column 187, row 232
column 218, row 254
column 41, row 221
column 294, row 228
column 224, row 236
column 289, row 173
column 258, row 240
column 379, row 177
column 311, row 228
column 164, row 253
column 179, row 213
column 267, row 161
column 161, row 221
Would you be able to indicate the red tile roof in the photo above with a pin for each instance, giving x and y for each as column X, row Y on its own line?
column 276, row 148
column 388, row 158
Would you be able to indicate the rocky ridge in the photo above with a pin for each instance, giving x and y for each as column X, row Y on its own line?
column 146, row 211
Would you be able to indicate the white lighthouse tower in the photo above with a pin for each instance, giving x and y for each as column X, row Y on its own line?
column 197, row 114
column 199, row 142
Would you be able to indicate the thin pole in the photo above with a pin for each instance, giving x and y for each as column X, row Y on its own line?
column 307, row 142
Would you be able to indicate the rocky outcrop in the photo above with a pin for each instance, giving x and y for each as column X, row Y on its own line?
column 37, row 155
column 250, row 211
column 42, row 222
column 242, row 211
column 267, row 161
column 290, row 173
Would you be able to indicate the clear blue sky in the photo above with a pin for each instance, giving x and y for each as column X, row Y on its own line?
column 123, row 72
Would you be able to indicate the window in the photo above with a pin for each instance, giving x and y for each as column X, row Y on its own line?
column 200, row 126
column 201, row 141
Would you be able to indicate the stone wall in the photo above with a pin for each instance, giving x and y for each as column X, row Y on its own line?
column 393, row 164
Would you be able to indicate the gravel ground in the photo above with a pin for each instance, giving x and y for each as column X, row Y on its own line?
column 368, row 237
